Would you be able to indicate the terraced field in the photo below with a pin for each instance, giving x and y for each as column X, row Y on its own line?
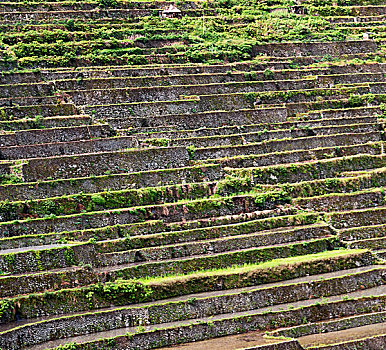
column 213, row 181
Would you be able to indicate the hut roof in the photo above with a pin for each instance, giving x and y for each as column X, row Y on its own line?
column 171, row 9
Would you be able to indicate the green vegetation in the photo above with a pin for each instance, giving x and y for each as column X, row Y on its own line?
column 6, row 308
column 107, row 3
column 192, row 175
column 130, row 291
column 231, row 31
column 246, row 268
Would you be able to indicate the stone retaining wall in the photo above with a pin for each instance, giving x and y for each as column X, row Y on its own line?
column 100, row 163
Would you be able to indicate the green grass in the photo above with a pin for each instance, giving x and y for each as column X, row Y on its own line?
column 252, row 267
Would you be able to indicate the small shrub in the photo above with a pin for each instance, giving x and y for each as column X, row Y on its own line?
column 355, row 101
column 107, row 3
column 191, row 151
column 98, row 199
column 268, row 74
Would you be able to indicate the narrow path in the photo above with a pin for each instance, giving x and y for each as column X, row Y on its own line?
column 232, row 342
column 343, row 335
column 40, row 247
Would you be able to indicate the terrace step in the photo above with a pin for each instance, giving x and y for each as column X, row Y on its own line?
column 296, row 108
column 63, row 5
column 47, row 122
column 104, row 163
column 173, row 93
column 20, row 113
column 17, row 77
column 296, row 156
column 344, row 201
column 39, row 150
column 310, row 335
column 217, row 102
column 263, row 223
column 261, row 135
column 28, row 283
column 307, row 170
column 26, row 101
column 189, row 79
column 175, row 47
column 200, row 120
column 44, row 16
column 114, row 182
column 361, row 11
column 96, row 72
column 370, row 243
column 30, row 89
column 153, row 37
column 278, row 69
column 363, row 182
column 372, row 336
column 364, row 232
column 342, row 113
column 358, row 218
column 62, row 134
column 155, row 170
column 313, row 49
column 172, row 132
column 381, row 254
column 301, row 143
column 354, row 20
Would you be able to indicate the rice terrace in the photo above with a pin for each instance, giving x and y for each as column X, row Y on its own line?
column 192, row 175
